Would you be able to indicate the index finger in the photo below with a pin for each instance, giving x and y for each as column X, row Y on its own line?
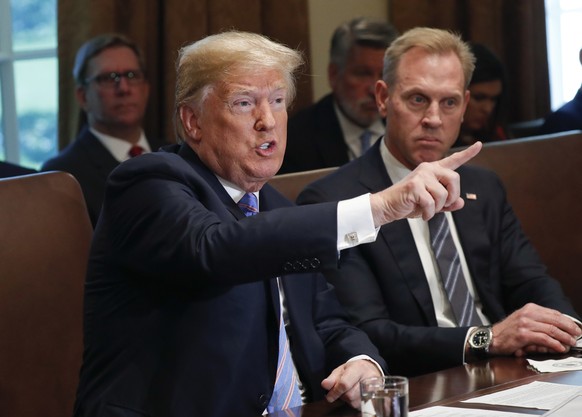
column 457, row 159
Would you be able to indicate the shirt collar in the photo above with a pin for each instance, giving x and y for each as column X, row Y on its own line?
column 396, row 170
column 119, row 148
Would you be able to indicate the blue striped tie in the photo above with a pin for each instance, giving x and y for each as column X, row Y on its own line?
column 452, row 275
column 248, row 204
column 286, row 393
column 365, row 139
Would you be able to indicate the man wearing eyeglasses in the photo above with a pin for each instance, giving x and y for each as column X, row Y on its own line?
column 113, row 91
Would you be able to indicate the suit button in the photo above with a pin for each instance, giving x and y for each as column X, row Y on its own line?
column 306, row 264
column 297, row 266
column 315, row 263
column 287, row 267
column 264, row 400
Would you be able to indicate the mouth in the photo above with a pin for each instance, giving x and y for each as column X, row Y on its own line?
column 266, row 148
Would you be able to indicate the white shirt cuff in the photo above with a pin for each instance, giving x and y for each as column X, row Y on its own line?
column 355, row 224
column 366, row 357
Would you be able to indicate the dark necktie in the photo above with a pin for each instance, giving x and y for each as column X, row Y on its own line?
column 365, row 139
column 286, row 393
column 135, row 151
column 452, row 275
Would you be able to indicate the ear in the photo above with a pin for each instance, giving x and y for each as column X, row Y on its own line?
column 189, row 120
column 332, row 75
column 81, row 96
column 467, row 98
column 382, row 95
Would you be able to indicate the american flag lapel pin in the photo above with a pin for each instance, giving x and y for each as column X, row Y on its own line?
column 471, row 196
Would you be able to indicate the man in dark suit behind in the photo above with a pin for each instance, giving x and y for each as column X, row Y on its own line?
column 113, row 91
column 393, row 288
column 186, row 297
column 8, row 169
column 329, row 132
column 567, row 117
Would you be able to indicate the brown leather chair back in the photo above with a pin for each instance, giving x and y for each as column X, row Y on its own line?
column 290, row 185
column 543, row 178
column 46, row 233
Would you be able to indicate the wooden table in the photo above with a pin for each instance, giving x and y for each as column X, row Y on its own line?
column 450, row 386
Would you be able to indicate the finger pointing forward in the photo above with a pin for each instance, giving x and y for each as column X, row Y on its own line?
column 457, row 159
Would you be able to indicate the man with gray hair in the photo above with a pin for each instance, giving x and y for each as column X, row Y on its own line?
column 204, row 294
column 345, row 123
column 112, row 89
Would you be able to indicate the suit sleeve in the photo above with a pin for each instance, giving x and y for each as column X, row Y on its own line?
column 187, row 232
column 407, row 349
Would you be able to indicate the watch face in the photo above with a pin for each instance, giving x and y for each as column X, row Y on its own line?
column 480, row 338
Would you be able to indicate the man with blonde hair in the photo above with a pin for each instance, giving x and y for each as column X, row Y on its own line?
column 204, row 295
column 460, row 286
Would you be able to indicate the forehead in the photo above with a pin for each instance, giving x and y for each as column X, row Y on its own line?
column 246, row 81
column 420, row 69
column 357, row 53
column 493, row 87
column 113, row 58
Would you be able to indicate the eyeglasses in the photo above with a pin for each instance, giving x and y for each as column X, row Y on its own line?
column 112, row 79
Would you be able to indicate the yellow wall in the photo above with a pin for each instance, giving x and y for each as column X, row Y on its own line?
column 324, row 17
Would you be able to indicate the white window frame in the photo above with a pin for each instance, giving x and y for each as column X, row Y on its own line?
column 8, row 57
column 564, row 41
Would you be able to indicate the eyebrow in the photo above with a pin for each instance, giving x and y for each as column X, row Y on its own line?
column 248, row 90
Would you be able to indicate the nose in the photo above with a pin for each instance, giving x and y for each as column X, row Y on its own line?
column 432, row 116
column 489, row 106
column 122, row 84
column 264, row 117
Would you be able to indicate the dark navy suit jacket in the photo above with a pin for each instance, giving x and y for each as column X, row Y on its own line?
column 567, row 117
column 181, row 301
column 11, row 170
column 315, row 139
column 383, row 284
column 90, row 163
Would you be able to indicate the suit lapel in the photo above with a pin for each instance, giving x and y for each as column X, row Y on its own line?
column 100, row 157
column 194, row 161
column 397, row 235
column 334, row 152
column 475, row 240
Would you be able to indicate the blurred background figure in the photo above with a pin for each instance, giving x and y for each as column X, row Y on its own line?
column 8, row 169
column 567, row 117
column 484, row 119
column 344, row 123
column 113, row 91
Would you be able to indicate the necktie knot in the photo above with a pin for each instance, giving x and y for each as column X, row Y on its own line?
column 135, row 150
column 249, row 204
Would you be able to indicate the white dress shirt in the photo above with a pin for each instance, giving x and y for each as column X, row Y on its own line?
column 119, row 148
column 352, row 132
column 419, row 228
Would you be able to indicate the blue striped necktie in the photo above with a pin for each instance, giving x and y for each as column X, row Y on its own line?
column 365, row 139
column 286, row 393
column 248, row 204
column 452, row 275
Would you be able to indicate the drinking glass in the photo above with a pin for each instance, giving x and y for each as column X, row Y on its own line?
column 384, row 396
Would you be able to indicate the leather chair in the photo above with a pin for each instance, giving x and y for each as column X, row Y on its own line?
column 543, row 178
column 46, row 233
column 290, row 185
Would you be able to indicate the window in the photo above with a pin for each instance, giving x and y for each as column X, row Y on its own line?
column 28, row 81
column 564, row 32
